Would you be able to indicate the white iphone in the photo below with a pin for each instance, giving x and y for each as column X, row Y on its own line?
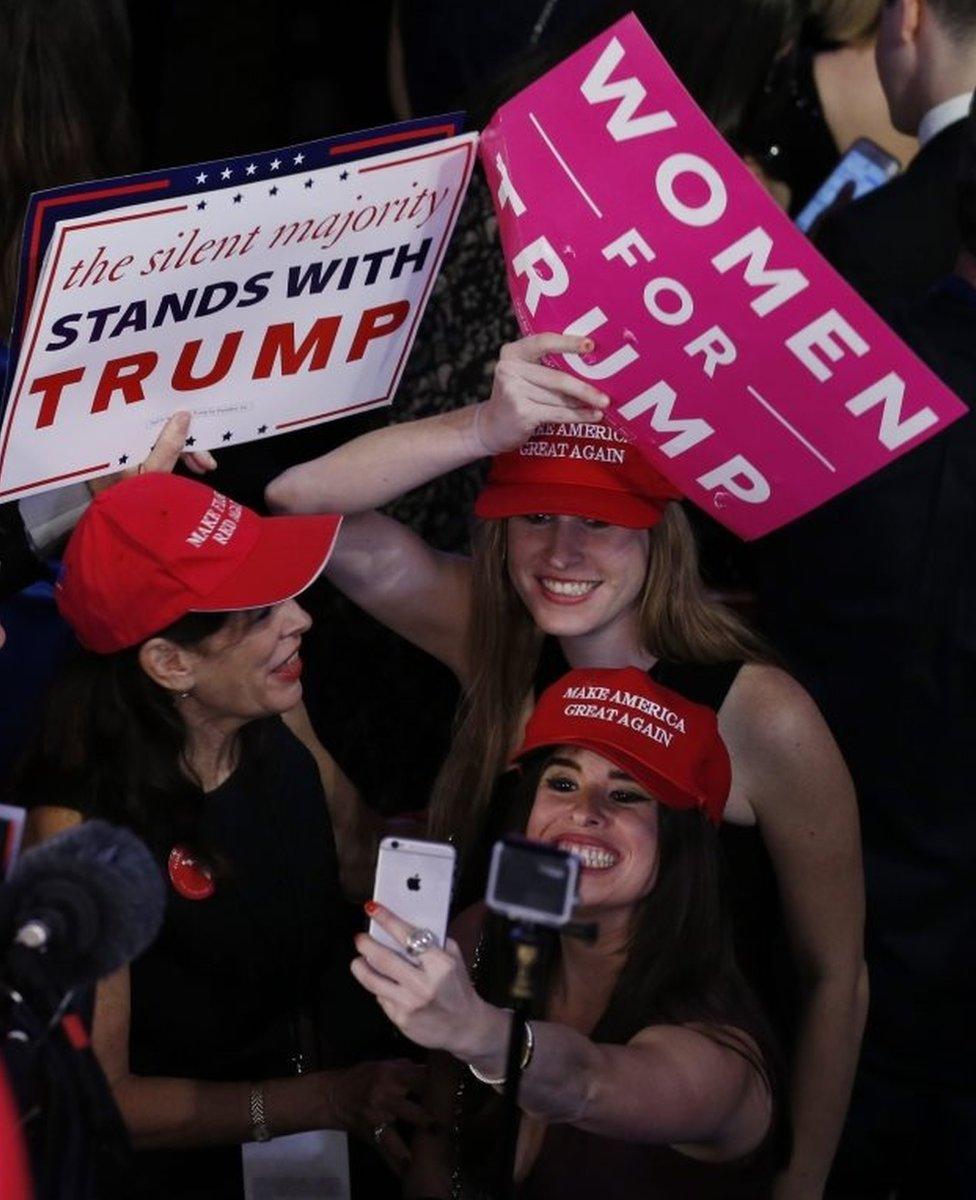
column 414, row 879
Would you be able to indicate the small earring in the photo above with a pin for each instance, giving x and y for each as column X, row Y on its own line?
column 180, row 696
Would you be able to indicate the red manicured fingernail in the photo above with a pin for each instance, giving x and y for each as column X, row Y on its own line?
column 371, row 907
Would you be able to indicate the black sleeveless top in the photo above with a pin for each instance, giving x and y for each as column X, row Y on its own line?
column 761, row 945
column 219, row 993
column 573, row 1164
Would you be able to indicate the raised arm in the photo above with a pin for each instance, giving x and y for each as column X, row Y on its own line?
column 671, row 1084
column 378, row 467
column 790, row 771
column 382, row 566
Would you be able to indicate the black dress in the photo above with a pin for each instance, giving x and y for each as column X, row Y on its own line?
column 219, row 994
column 574, row 1165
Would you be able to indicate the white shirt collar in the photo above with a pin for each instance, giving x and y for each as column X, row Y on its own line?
column 942, row 116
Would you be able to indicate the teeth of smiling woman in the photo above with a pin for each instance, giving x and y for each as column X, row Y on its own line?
column 591, row 856
column 567, row 587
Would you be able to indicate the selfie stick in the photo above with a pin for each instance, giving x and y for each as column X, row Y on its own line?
column 532, row 886
column 528, row 939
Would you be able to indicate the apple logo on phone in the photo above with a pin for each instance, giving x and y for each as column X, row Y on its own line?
column 413, row 883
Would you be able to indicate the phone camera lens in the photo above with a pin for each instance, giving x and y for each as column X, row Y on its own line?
column 394, row 845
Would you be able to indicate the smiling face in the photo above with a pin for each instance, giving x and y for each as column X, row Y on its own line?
column 577, row 576
column 587, row 805
column 250, row 667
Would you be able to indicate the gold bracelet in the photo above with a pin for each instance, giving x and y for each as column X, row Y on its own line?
column 528, row 1046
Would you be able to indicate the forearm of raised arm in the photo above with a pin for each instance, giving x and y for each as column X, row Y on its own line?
column 379, row 466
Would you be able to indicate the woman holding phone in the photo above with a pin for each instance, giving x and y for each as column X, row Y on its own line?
column 585, row 558
column 648, row 1071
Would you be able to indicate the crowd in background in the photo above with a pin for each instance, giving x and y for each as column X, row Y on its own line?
column 839, row 653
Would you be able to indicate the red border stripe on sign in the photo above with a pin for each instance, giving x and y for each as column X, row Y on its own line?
column 392, row 139
column 129, row 190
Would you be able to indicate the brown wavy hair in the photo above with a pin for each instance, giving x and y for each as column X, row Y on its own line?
column 112, row 744
column 679, row 622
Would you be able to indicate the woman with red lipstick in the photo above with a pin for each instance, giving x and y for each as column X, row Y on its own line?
column 584, row 557
column 169, row 721
column 648, row 1071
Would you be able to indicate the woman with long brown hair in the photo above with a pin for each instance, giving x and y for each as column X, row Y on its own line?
column 648, row 1070
column 598, row 568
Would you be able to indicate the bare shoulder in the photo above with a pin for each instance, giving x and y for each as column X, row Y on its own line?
column 769, row 711
column 782, row 751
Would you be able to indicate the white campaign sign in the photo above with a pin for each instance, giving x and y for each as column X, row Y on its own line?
column 260, row 309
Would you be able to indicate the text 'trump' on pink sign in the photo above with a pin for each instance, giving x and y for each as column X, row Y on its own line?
column 737, row 359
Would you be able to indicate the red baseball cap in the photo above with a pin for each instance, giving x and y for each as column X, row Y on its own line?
column 577, row 470
column 153, row 548
column 661, row 740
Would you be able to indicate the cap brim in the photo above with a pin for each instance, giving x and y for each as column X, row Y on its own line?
column 289, row 554
column 569, row 500
column 662, row 786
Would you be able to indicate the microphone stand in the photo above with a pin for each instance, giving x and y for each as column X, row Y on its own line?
column 73, row 1127
column 528, row 939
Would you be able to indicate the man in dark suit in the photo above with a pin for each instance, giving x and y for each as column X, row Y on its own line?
column 873, row 599
column 899, row 240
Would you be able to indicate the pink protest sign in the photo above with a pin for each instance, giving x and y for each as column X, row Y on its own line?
column 741, row 364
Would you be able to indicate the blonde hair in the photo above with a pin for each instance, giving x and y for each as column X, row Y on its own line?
column 679, row 622
column 847, row 20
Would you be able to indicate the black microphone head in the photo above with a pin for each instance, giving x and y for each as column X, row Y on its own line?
column 104, row 883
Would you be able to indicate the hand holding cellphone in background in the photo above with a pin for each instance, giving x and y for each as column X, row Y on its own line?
column 414, row 879
column 861, row 169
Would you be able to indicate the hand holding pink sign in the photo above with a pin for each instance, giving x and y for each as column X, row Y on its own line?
column 739, row 362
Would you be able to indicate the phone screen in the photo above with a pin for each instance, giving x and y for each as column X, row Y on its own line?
column 12, row 821
column 865, row 165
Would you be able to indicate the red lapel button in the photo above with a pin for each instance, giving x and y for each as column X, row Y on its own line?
column 191, row 879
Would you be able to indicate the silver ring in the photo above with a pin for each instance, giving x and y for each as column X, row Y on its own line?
column 419, row 942
column 380, row 1130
